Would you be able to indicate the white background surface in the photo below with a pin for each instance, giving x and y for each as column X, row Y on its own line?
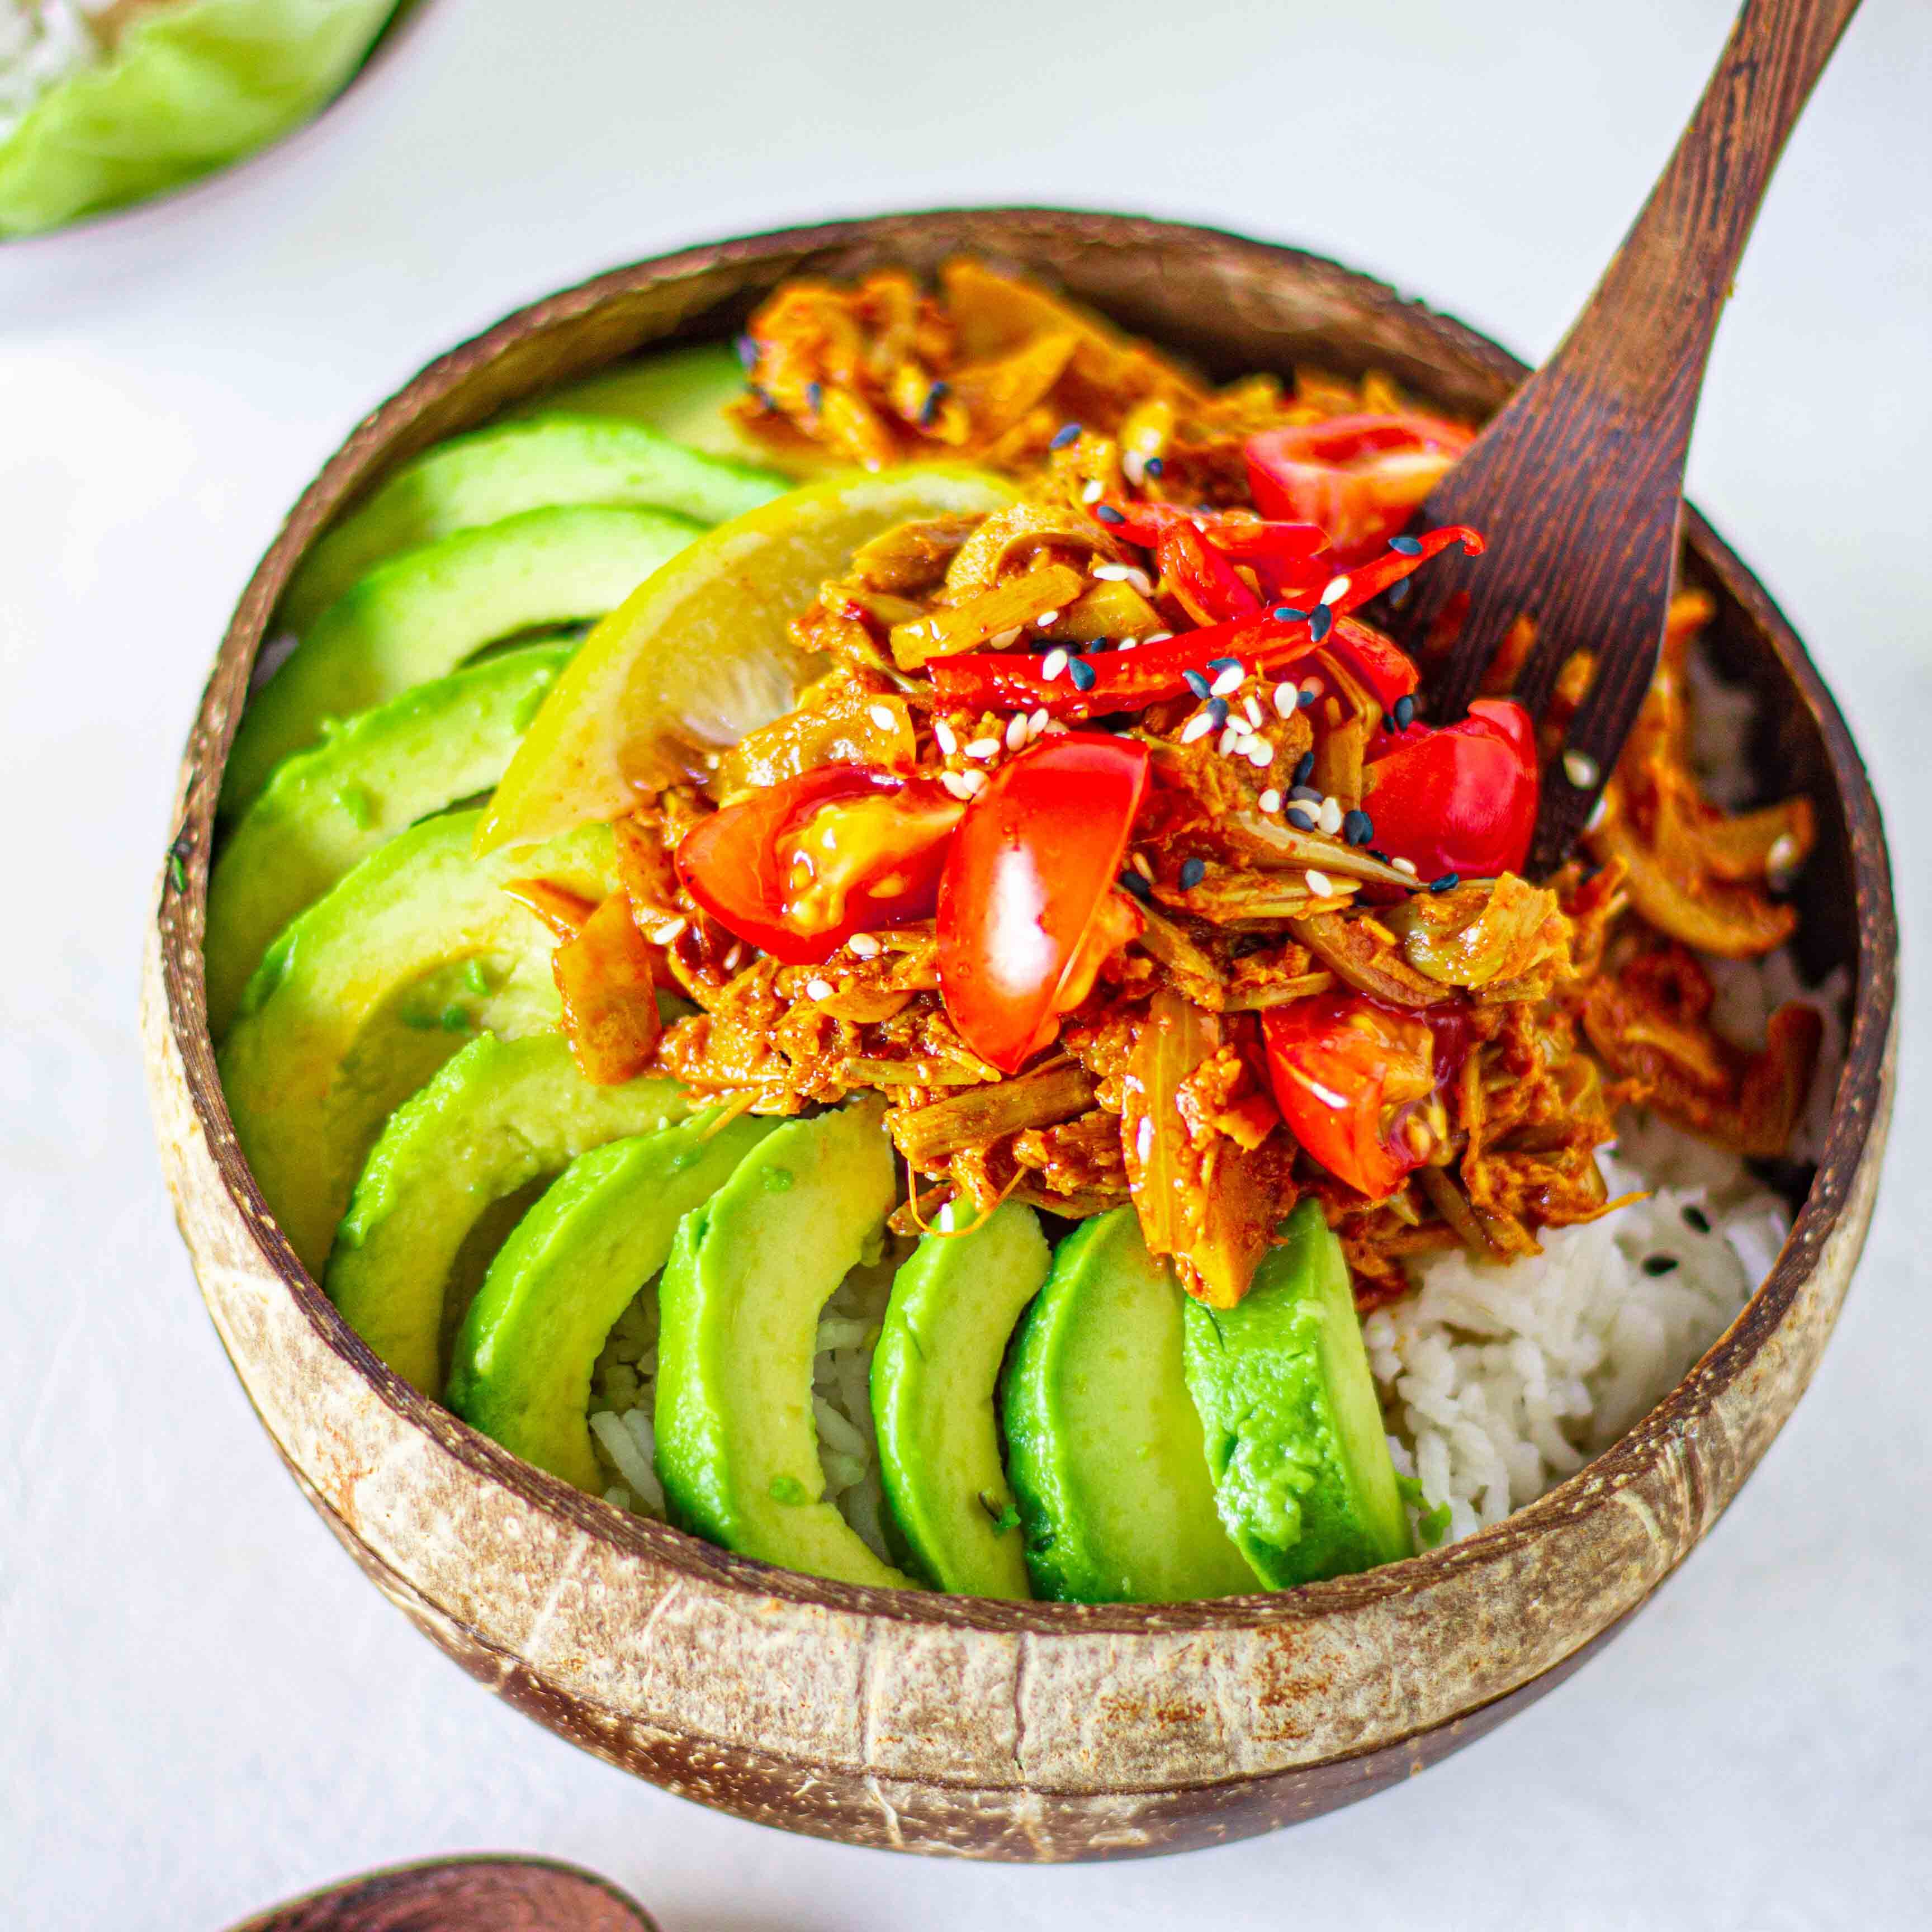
column 202, row 1706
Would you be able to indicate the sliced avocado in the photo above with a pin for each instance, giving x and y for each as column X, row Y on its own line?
column 1104, row 1448
column 421, row 614
column 502, row 1113
column 1295, row 1437
column 952, row 1313
column 326, row 809
column 686, row 395
column 361, row 999
column 522, row 1365
column 502, row 471
column 739, row 1298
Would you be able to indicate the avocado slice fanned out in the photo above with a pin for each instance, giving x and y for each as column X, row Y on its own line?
column 421, row 614
column 511, row 467
column 521, row 1369
column 369, row 991
column 1104, row 1447
column 1294, row 1433
column 326, row 809
column 952, row 1310
column 500, row 1115
column 739, row 1300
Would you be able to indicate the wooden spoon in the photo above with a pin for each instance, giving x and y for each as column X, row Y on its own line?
column 473, row 1894
column 1577, row 484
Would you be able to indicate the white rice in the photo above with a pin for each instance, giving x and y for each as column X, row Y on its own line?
column 42, row 43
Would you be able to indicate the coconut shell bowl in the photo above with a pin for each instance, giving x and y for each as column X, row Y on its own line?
column 936, row 1724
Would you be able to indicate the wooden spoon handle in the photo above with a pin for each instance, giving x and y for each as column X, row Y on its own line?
column 1645, row 332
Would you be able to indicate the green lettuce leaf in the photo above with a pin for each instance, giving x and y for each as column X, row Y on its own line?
column 189, row 88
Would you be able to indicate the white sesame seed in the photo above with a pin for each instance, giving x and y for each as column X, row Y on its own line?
column 1329, row 818
column 1601, row 810
column 1127, row 644
column 1199, row 726
column 1133, row 466
column 735, row 958
column 818, row 989
column 1143, row 865
column 1046, row 619
column 1004, row 640
column 1230, row 739
column 983, row 748
column 1269, row 800
column 1284, row 696
column 955, row 783
column 1782, row 855
column 865, row 945
column 1404, row 865
column 1260, row 753
column 1320, row 885
column 1093, row 492
column 1144, row 1137
column 1313, row 686
column 663, row 935
column 1141, row 581
column 1155, row 636
column 1037, row 723
column 974, row 782
column 883, row 715
column 1053, row 664
column 1016, row 730
column 944, row 737
column 1230, row 679
column 1337, row 588
column 1253, row 709
column 1111, row 573
column 1054, row 728
column 1580, row 769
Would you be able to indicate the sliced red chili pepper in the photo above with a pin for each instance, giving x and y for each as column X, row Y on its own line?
column 1201, row 574
column 1461, row 798
column 1361, row 477
column 1027, row 905
column 797, row 868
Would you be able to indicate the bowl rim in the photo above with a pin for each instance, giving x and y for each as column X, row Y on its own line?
column 1858, row 1117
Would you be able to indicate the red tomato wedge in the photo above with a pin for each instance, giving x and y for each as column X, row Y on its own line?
column 1345, row 1073
column 1360, row 478
column 798, row 868
column 1461, row 799
column 1027, row 905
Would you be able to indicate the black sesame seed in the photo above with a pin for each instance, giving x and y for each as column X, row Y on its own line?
column 928, row 410
column 1196, row 682
column 1288, row 614
column 1405, row 713
column 1083, row 674
column 1376, row 852
column 1304, row 768
column 1447, row 882
column 1108, row 515
column 1398, row 594
column 747, row 353
column 1696, row 1217
column 1319, row 623
column 1132, row 881
column 1304, row 794
column 1304, row 699
column 1193, row 873
column 1660, row 1263
column 1217, row 709
column 1153, row 467
column 1300, row 818
column 1066, row 433
column 1097, row 644
column 814, row 397
column 1405, row 546
column 1357, row 828
column 1224, row 664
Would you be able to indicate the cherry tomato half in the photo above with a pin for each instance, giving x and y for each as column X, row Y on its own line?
column 1361, row 478
column 1027, row 904
column 1460, row 799
column 1347, row 1075
column 798, row 868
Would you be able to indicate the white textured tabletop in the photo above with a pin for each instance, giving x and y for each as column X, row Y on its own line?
column 203, row 1707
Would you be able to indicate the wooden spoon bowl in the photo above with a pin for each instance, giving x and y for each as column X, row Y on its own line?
column 930, row 1723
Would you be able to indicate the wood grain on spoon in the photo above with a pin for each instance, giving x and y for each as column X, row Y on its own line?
column 1578, row 482
column 475, row 1895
